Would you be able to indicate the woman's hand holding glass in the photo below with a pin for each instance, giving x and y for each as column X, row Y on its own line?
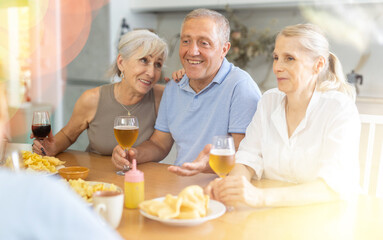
column 126, row 133
column 45, row 146
column 232, row 189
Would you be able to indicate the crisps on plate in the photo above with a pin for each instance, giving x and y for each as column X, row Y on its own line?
column 190, row 203
column 86, row 188
column 36, row 162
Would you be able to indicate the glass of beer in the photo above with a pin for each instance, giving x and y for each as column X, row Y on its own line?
column 126, row 133
column 41, row 125
column 221, row 158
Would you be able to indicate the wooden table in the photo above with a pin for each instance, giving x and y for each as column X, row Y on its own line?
column 361, row 218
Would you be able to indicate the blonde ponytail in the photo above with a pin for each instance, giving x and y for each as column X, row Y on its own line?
column 333, row 78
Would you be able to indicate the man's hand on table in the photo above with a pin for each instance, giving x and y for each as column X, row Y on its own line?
column 121, row 158
column 200, row 164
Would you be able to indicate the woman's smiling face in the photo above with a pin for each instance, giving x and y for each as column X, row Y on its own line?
column 141, row 73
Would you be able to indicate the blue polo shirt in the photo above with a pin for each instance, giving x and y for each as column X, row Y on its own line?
column 226, row 105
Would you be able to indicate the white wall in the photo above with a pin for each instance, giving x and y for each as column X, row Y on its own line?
column 120, row 9
column 169, row 24
column 100, row 49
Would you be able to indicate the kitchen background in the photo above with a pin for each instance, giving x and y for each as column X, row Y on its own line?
column 60, row 71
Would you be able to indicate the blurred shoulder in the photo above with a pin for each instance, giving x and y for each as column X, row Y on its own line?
column 336, row 96
column 90, row 93
column 239, row 78
column 335, row 107
column 172, row 86
column 239, row 75
column 337, row 99
column 339, row 109
column 89, row 98
column 271, row 100
column 273, row 96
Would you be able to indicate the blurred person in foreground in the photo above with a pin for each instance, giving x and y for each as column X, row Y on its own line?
column 305, row 132
column 213, row 98
column 39, row 207
column 141, row 55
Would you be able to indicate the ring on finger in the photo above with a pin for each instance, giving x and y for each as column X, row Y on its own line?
column 126, row 168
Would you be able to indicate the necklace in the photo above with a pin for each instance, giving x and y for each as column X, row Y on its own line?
column 122, row 105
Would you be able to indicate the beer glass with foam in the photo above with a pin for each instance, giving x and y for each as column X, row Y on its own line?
column 126, row 133
column 221, row 158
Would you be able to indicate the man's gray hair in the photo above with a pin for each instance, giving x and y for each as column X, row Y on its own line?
column 220, row 20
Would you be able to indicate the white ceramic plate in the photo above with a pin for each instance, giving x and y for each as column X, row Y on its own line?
column 215, row 210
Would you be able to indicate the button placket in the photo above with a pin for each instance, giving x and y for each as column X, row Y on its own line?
column 195, row 103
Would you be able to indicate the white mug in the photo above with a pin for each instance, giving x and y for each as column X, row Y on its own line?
column 109, row 204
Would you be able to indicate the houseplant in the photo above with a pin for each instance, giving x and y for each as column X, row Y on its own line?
column 246, row 43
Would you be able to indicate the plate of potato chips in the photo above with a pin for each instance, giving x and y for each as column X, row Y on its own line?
column 191, row 207
column 44, row 165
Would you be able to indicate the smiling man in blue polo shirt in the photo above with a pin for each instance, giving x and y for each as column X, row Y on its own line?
column 213, row 98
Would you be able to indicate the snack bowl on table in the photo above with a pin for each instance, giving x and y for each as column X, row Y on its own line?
column 74, row 172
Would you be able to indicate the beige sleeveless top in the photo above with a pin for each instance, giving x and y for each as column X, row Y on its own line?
column 100, row 131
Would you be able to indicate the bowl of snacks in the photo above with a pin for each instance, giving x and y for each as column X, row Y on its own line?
column 74, row 172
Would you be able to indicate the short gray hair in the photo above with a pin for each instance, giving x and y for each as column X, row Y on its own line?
column 147, row 42
column 220, row 20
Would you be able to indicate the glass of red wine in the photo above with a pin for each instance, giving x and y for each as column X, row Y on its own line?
column 41, row 125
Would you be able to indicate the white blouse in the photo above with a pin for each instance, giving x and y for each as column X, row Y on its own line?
column 324, row 145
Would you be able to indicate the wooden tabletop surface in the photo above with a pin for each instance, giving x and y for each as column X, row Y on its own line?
column 360, row 218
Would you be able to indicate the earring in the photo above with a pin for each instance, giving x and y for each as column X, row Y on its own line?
column 122, row 75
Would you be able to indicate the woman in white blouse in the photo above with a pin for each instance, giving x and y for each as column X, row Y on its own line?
column 305, row 132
